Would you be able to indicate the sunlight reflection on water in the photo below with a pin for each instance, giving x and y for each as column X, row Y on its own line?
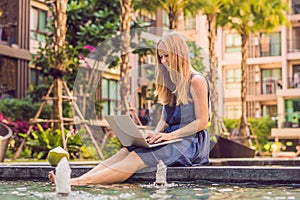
column 202, row 190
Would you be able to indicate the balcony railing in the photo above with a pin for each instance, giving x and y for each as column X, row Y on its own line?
column 264, row 49
column 293, row 82
column 270, row 86
column 294, row 45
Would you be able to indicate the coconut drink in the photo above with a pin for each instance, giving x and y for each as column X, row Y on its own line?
column 56, row 154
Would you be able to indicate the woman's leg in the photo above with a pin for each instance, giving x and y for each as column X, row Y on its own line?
column 120, row 155
column 116, row 173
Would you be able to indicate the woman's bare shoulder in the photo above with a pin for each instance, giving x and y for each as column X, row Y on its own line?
column 198, row 80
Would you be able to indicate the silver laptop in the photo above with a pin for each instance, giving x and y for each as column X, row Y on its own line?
column 129, row 134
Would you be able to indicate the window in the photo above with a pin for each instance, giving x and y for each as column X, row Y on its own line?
column 295, row 42
column 8, row 22
column 270, row 79
column 233, row 43
column 295, row 80
column 166, row 21
column 270, row 44
column 296, row 6
column 8, row 83
column 292, row 112
column 36, row 77
column 233, row 112
column 190, row 23
column 269, row 110
column 110, row 96
column 233, row 78
column 38, row 24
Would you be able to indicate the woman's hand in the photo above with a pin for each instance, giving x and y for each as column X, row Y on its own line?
column 159, row 137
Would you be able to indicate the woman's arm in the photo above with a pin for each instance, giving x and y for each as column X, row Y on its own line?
column 199, row 91
column 161, row 125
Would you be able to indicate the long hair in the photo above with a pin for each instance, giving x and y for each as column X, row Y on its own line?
column 173, row 82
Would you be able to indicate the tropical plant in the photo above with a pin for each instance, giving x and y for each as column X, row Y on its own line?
column 41, row 141
column 21, row 109
column 246, row 17
column 261, row 127
column 174, row 9
column 125, row 42
column 111, row 147
column 212, row 8
column 196, row 57
column 90, row 22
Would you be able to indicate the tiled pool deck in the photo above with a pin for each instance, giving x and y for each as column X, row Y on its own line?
column 259, row 170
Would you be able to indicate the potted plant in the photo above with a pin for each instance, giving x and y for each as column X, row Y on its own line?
column 5, row 134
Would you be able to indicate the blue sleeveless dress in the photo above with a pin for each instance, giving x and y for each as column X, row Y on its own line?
column 193, row 150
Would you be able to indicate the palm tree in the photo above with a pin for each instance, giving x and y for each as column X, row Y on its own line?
column 246, row 17
column 60, row 19
column 174, row 9
column 212, row 8
column 125, row 41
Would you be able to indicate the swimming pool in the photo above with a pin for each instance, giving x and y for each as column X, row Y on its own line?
column 13, row 190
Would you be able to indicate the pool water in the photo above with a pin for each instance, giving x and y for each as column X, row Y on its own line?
column 13, row 190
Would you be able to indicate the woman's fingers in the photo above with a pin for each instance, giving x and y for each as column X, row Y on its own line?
column 157, row 138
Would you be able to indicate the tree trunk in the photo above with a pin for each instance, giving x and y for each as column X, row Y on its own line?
column 60, row 20
column 173, row 18
column 125, row 41
column 213, row 78
column 244, row 67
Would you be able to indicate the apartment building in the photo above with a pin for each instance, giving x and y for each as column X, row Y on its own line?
column 14, row 47
column 273, row 74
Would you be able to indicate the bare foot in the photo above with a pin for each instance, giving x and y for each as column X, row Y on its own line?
column 51, row 176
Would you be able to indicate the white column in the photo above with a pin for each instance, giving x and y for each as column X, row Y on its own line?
column 284, row 39
column 280, row 110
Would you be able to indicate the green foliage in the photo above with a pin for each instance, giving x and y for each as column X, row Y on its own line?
column 113, row 146
column 42, row 141
column 230, row 124
column 261, row 128
column 92, row 21
column 250, row 16
column 46, row 58
column 36, row 92
column 22, row 109
column 196, row 56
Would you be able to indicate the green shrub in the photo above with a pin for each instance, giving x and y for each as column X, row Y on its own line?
column 230, row 124
column 22, row 109
column 42, row 141
column 261, row 127
column 112, row 146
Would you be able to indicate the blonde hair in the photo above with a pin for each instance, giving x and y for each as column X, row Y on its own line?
column 176, row 80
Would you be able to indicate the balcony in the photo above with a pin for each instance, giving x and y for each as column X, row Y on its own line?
column 294, row 45
column 290, row 128
column 293, row 82
column 270, row 86
column 264, row 48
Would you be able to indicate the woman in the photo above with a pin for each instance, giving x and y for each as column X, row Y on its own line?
column 184, row 95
